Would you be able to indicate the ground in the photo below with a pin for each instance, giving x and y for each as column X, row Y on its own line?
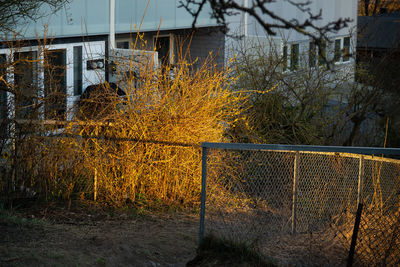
column 49, row 236
column 88, row 234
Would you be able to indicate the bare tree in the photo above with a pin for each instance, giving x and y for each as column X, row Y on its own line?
column 14, row 11
column 312, row 105
column 260, row 9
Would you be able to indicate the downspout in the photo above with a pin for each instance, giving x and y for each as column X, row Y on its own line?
column 245, row 17
column 111, row 40
column 111, row 37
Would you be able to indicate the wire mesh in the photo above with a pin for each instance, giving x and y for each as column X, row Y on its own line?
column 257, row 197
column 96, row 167
column 246, row 193
column 327, row 187
column 378, row 242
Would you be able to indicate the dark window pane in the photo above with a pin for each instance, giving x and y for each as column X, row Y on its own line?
column 77, row 70
column 55, row 85
column 338, row 53
column 312, row 54
column 322, row 54
column 163, row 48
column 3, row 97
column 294, row 56
column 25, row 85
column 124, row 44
column 346, row 49
column 284, row 57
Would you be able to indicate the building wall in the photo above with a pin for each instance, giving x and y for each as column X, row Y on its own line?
column 208, row 43
column 331, row 11
column 194, row 46
column 252, row 33
column 91, row 17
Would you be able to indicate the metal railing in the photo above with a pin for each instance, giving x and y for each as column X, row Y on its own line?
column 276, row 197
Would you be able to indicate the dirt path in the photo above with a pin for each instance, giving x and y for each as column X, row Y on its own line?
column 118, row 240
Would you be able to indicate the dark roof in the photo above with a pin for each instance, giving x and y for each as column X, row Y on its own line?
column 380, row 31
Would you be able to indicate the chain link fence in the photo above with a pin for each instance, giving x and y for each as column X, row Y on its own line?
column 93, row 163
column 298, row 203
column 378, row 241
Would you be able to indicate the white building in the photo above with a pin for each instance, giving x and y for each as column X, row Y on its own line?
column 79, row 34
column 293, row 44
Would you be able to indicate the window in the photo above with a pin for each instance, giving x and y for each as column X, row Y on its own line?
column 77, row 70
column 284, row 57
column 3, row 97
column 322, row 54
column 291, row 60
column 294, row 56
column 164, row 47
column 338, row 50
column 25, row 85
column 123, row 44
column 346, row 49
column 312, row 54
column 342, row 49
column 55, row 84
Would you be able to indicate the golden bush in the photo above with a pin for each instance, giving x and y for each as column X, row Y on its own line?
column 149, row 150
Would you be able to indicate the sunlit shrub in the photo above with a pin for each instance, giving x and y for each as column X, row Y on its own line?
column 163, row 119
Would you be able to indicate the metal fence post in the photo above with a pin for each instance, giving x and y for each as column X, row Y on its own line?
column 354, row 237
column 203, row 192
column 295, row 181
column 359, row 211
column 95, row 185
column 95, row 171
column 360, row 180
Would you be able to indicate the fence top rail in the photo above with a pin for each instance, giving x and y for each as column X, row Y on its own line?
column 337, row 149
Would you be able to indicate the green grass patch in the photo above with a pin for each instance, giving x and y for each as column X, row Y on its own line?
column 7, row 217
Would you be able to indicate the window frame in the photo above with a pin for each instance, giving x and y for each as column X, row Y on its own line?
column 312, row 54
column 343, row 55
column 61, row 108
column 294, row 56
column 27, row 61
column 346, row 55
column 337, row 52
column 288, row 57
column 171, row 45
column 124, row 43
column 284, row 57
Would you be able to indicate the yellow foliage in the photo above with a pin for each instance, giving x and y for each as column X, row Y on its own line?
column 144, row 147
column 172, row 105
